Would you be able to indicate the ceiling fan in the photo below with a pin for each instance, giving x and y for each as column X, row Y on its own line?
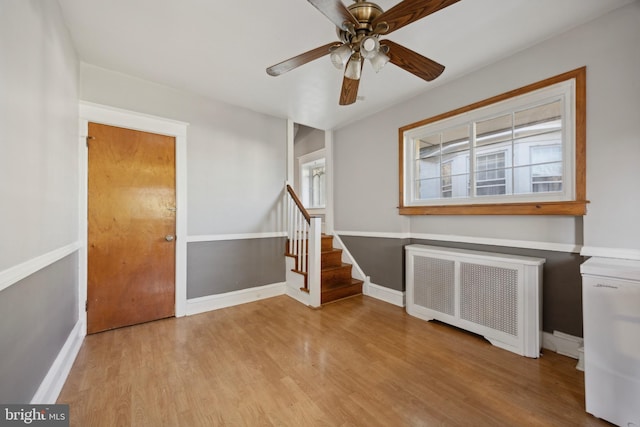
column 359, row 27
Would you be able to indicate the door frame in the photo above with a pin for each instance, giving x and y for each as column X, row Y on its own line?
column 97, row 113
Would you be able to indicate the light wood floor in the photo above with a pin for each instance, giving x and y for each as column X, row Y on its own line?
column 357, row 362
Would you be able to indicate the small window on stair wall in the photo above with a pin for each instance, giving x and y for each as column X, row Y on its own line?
column 313, row 183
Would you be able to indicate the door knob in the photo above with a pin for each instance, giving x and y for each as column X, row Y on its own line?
column 169, row 238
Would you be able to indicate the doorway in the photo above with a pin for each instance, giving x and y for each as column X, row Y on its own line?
column 97, row 113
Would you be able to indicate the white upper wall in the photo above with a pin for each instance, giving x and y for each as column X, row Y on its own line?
column 366, row 152
column 38, row 132
column 236, row 158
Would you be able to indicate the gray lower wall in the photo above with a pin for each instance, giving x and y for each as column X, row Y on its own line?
column 38, row 314
column 383, row 260
column 230, row 265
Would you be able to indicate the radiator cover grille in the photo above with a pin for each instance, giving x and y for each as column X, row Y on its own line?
column 489, row 296
column 439, row 274
column 496, row 295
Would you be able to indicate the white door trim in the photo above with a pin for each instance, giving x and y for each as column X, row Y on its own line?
column 90, row 112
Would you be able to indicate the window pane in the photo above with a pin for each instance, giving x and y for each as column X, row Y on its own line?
column 456, row 135
column 428, row 168
column 546, row 169
column 439, row 158
column 538, row 120
column 428, row 146
column 428, row 188
column 494, row 131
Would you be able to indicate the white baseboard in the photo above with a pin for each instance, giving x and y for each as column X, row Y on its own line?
column 384, row 294
column 53, row 382
column 562, row 343
column 229, row 299
column 298, row 295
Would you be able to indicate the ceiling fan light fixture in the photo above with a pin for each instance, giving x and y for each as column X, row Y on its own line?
column 354, row 67
column 340, row 55
column 378, row 61
column 369, row 46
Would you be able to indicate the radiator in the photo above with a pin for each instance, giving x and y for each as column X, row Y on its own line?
column 498, row 296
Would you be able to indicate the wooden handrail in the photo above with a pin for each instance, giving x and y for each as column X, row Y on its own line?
column 298, row 203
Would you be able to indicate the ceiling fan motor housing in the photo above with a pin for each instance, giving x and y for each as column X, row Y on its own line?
column 364, row 12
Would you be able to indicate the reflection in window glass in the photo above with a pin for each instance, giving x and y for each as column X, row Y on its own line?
column 546, row 172
column 490, row 174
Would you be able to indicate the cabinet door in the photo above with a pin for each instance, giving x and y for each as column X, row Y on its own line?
column 612, row 348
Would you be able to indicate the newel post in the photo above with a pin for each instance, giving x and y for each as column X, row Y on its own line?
column 313, row 273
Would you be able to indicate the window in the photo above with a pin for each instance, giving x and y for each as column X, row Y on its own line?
column 522, row 152
column 313, row 184
column 490, row 174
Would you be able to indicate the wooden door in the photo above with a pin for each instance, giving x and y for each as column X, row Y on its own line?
column 131, row 227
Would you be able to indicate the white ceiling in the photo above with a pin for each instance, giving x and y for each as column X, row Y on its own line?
column 221, row 49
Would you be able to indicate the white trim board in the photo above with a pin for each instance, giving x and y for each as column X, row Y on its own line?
column 633, row 254
column 90, row 112
column 229, row 299
column 243, row 236
column 21, row 271
column 383, row 235
column 525, row 244
column 562, row 343
column 387, row 295
column 52, row 384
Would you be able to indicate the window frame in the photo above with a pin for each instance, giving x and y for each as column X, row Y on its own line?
column 574, row 206
column 305, row 194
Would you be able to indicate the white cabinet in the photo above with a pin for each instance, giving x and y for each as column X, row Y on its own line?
column 611, row 310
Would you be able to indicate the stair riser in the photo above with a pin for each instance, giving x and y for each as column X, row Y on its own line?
column 331, row 259
column 327, row 243
column 335, row 275
column 344, row 292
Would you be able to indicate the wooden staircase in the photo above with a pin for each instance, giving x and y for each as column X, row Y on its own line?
column 335, row 276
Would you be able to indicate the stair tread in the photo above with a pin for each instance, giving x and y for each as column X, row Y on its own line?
column 336, row 267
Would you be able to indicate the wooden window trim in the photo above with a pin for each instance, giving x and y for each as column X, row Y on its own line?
column 575, row 207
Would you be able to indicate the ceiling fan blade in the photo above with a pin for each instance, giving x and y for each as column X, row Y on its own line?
column 349, row 92
column 337, row 13
column 406, row 12
column 425, row 68
column 303, row 58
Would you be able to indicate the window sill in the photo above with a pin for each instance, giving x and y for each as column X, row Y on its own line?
column 573, row 208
